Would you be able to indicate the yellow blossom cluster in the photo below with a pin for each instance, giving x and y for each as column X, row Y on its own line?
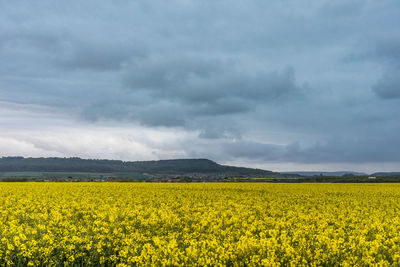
column 203, row 224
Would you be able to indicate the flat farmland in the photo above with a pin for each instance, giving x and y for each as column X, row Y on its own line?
column 214, row 224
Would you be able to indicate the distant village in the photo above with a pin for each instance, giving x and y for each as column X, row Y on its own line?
column 177, row 178
column 155, row 178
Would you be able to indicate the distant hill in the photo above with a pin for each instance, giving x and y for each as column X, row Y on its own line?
column 386, row 174
column 159, row 167
column 314, row 173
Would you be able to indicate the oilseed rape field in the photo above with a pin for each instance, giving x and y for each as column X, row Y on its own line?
column 199, row 224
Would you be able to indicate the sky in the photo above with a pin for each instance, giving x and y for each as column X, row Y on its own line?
column 281, row 85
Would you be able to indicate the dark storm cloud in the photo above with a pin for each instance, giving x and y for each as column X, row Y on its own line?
column 202, row 87
column 261, row 80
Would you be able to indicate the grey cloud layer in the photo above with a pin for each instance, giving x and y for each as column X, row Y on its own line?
column 318, row 82
column 388, row 86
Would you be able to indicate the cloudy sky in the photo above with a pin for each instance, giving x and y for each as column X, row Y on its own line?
column 281, row 85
